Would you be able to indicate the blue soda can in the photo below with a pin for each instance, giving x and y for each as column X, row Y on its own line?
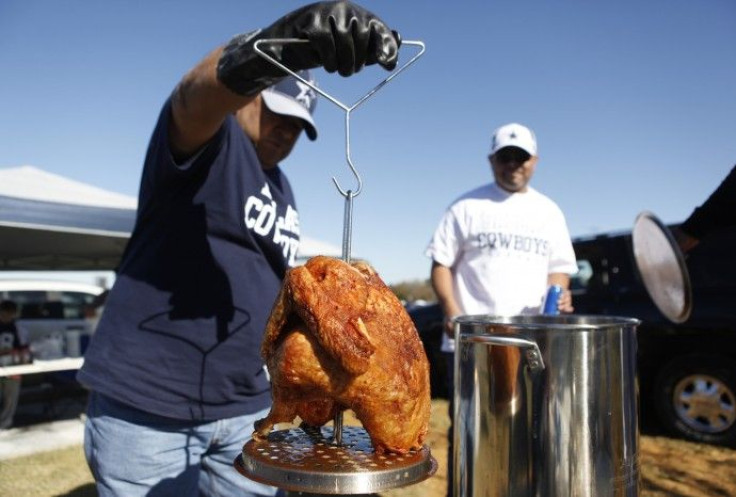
column 550, row 301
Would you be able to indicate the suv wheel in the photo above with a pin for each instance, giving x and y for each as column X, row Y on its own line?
column 695, row 397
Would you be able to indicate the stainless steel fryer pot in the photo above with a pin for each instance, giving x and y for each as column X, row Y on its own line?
column 546, row 406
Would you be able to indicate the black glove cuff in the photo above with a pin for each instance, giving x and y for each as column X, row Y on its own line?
column 242, row 70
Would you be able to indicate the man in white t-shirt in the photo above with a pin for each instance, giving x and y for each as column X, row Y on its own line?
column 498, row 247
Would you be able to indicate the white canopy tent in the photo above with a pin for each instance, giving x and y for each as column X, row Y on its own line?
column 48, row 222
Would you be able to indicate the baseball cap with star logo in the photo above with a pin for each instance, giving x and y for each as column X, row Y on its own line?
column 514, row 135
column 291, row 97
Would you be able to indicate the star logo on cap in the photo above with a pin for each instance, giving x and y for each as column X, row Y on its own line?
column 306, row 94
column 513, row 135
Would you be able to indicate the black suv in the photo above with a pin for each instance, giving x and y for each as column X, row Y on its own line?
column 687, row 371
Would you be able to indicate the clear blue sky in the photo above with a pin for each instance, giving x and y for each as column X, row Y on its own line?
column 633, row 104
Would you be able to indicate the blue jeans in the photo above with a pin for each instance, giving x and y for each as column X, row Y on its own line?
column 133, row 453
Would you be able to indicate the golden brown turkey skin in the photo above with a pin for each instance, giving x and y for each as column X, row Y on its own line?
column 338, row 338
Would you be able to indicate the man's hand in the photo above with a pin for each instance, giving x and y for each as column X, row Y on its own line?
column 343, row 37
column 449, row 325
column 564, row 305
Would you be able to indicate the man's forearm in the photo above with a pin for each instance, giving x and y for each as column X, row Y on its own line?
column 562, row 279
column 199, row 105
column 717, row 212
column 441, row 278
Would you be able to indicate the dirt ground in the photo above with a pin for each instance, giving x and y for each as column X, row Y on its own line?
column 669, row 468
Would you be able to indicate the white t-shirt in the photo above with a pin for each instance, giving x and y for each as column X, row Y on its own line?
column 500, row 247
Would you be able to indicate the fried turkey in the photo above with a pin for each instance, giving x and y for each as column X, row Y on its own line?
column 337, row 339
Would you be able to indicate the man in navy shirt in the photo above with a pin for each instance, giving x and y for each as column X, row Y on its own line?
column 716, row 213
column 174, row 369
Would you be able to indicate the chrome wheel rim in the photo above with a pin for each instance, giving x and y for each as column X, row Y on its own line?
column 705, row 403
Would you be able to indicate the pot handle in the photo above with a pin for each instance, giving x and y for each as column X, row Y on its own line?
column 531, row 349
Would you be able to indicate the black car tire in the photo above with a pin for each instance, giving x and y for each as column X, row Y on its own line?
column 695, row 398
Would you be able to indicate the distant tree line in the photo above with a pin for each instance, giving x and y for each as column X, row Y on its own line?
column 410, row 291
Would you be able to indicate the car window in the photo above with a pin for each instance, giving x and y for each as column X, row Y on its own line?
column 25, row 296
column 74, row 303
column 36, row 304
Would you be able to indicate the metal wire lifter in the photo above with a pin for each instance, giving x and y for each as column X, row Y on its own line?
column 347, row 233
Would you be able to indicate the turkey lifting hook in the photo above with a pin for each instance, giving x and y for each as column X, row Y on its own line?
column 350, row 193
column 348, row 109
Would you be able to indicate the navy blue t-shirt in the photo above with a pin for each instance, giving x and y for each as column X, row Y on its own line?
column 182, row 328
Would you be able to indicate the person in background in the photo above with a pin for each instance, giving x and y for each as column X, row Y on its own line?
column 717, row 212
column 12, row 339
column 174, row 367
column 499, row 247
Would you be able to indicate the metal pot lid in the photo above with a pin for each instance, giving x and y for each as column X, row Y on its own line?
column 662, row 267
column 306, row 460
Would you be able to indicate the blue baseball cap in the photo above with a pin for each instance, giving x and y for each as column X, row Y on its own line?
column 291, row 97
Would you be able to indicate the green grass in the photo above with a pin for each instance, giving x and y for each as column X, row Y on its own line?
column 58, row 473
column 670, row 468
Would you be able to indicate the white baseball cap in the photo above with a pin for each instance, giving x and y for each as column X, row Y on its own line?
column 291, row 97
column 514, row 135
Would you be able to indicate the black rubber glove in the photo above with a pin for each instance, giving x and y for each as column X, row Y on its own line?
column 342, row 36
